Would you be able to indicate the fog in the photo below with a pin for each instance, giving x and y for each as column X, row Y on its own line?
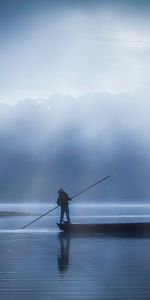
column 71, row 142
column 82, row 69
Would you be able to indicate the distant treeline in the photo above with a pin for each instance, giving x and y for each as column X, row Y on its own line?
column 4, row 214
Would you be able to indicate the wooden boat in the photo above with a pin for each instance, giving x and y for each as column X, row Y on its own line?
column 141, row 228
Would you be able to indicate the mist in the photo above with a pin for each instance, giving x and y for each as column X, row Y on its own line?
column 72, row 142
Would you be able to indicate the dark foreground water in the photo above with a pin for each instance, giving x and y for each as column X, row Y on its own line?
column 40, row 263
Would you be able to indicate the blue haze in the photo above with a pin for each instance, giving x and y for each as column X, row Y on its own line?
column 73, row 142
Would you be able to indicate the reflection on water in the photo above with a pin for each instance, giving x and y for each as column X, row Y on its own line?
column 49, row 265
column 63, row 253
column 104, row 267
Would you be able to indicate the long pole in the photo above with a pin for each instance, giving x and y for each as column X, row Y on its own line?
column 89, row 187
column 39, row 217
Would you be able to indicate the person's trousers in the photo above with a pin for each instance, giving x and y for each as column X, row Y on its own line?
column 64, row 211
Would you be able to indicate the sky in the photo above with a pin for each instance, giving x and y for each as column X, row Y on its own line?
column 73, row 47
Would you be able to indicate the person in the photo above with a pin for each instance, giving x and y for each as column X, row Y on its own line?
column 63, row 201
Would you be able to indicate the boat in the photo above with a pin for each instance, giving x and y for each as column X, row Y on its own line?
column 140, row 228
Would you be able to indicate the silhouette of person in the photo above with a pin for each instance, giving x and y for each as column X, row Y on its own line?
column 63, row 254
column 63, row 201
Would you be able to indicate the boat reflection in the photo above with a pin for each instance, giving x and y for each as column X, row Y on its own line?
column 111, row 267
column 63, row 251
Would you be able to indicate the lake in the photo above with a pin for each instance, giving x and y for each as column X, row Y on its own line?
column 43, row 264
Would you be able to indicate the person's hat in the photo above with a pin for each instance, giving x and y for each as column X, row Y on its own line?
column 60, row 191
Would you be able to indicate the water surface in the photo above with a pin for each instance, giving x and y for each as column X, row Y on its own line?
column 41, row 263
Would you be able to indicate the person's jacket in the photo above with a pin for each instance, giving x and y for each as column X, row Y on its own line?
column 63, row 199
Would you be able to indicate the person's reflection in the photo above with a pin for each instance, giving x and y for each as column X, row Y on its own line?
column 63, row 252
